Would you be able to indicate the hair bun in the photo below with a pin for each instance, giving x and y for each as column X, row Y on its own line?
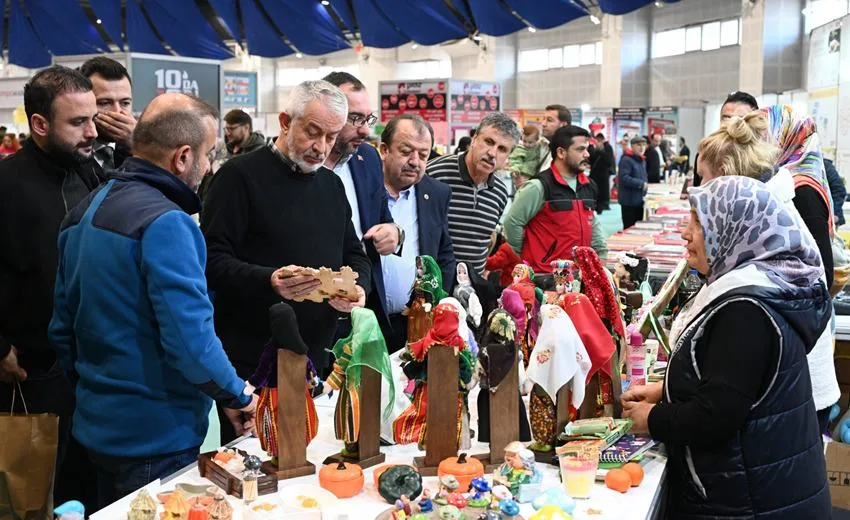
column 748, row 129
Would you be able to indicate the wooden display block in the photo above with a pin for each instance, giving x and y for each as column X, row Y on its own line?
column 230, row 483
column 369, row 443
column 291, row 418
column 504, row 419
column 441, row 415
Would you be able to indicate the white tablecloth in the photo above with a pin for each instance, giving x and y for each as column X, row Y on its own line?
column 639, row 503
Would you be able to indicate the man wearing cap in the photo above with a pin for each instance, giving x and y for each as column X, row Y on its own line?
column 632, row 182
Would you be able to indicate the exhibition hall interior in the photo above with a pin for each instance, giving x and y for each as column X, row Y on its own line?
column 397, row 259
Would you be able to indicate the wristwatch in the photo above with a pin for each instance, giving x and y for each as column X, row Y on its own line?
column 400, row 238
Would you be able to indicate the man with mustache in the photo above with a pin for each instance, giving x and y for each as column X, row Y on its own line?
column 38, row 185
column 276, row 207
column 478, row 197
column 554, row 213
column 115, row 123
column 421, row 205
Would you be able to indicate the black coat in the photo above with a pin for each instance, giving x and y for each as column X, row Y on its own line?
column 653, row 164
column 35, row 194
column 602, row 167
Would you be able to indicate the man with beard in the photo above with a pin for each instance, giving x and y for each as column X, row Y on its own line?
column 132, row 318
column 602, row 166
column 115, row 122
column 557, row 116
column 239, row 138
column 278, row 207
column 421, row 205
column 555, row 213
column 478, row 197
column 38, row 185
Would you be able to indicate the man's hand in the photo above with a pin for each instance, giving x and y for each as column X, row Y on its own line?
column 638, row 412
column 384, row 236
column 293, row 287
column 649, row 393
column 243, row 420
column 346, row 305
column 117, row 126
column 9, row 368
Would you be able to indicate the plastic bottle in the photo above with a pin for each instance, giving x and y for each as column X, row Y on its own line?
column 690, row 286
column 637, row 359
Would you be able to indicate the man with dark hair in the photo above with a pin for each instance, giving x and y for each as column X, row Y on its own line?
column 132, row 318
column 38, row 185
column 421, row 205
column 602, row 167
column 115, row 122
column 359, row 167
column 239, row 133
column 555, row 212
column 557, row 116
column 736, row 104
column 655, row 160
column 633, row 179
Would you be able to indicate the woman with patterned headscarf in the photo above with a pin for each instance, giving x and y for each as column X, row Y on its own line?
column 736, row 411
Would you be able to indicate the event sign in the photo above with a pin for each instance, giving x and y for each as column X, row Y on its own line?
column 152, row 77
column 240, row 90
column 425, row 98
column 472, row 100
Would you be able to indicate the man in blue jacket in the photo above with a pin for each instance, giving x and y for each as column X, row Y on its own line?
column 632, row 182
column 132, row 320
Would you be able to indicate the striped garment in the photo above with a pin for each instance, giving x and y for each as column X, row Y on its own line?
column 474, row 211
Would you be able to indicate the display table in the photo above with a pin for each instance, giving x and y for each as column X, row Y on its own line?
column 842, row 328
column 639, row 503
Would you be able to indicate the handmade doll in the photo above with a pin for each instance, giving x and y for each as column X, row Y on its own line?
column 513, row 304
column 465, row 293
column 364, row 347
column 463, row 327
column 410, row 425
column 427, row 292
column 558, row 358
column 531, row 296
column 285, row 335
column 496, row 356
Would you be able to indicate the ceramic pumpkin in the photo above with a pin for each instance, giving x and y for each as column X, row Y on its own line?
column 343, row 479
column 463, row 468
column 198, row 512
column 397, row 481
column 377, row 472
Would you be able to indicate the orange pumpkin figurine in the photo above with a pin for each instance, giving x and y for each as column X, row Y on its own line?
column 463, row 468
column 618, row 480
column 635, row 471
column 343, row 479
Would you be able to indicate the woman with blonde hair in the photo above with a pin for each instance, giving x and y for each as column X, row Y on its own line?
column 779, row 147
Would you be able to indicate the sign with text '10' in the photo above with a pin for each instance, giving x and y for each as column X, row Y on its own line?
column 152, row 77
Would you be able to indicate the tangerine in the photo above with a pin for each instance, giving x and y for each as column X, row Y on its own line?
column 635, row 471
column 618, row 480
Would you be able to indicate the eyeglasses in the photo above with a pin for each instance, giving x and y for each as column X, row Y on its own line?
column 359, row 120
column 230, row 128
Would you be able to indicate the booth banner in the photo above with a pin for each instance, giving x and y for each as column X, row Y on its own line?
column 240, row 90
column 664, row 121
column 426, row 98
column 472, row 100
column 843, row 131
column 823, row 107
column 628, row 122
column 152, row 77
column 597, row 122
column 12, row 92
column 824, row 51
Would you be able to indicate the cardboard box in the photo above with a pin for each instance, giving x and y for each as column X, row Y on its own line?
column 838, row 473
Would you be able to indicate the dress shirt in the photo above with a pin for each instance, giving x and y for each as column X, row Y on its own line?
column 400, row 271
column 344, row 172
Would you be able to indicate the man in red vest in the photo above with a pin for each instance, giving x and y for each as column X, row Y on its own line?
column 555, row 212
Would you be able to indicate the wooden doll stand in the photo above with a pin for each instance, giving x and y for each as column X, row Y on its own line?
column 504, row 419
column 291, row 418
column 369, row 442
column 441, row 415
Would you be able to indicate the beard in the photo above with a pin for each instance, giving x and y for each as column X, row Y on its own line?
column 298, row 159
column 67, row 153
column 195, row 176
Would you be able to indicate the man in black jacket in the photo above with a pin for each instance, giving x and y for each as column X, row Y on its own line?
column 38, row 185
column 602, row 166
column 655, row 161
column 115, row 123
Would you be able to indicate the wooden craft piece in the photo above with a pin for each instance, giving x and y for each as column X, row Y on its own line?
column 291, row 419
column 369, row 443
column 334, row 283
column 230, row 483
column 504, row 419
column 442, row 413
column 562, row 417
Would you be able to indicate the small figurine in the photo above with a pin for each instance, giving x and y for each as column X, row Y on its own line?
column 403, row 509
column 427, row 292
column 143, row 507
column 250, row 485
column 529, row 486
column 631, row 271
column 556, row 496
column 489, row 515
column 531, row 296
column 465, row 293
column 425, row 503
column 449, row 512
column 457, row 500
column 176, row 507
column 198, row 511
column 73, row 510
column 448, row 485
column 500, row 493
column 551, row 512
column 481, row 496
column 519, row 468
column 221, row 508
column 509, row 507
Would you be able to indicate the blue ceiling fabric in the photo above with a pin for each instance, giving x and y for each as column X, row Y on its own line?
column 109, row 12
column 625, row 6
column 25, row 47
column 376, row 30
column 140, row 36
column 494, row 22
column 547, row 14
column 262, row 39
column 64, row 28
column 428, row 22
column 182, row 25
column 307, row 25
column 341, row 9
column 228, row 12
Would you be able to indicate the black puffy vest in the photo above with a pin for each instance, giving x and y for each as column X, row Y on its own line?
column 774, row 468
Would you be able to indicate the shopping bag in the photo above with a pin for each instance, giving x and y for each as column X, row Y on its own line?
column 28, row 444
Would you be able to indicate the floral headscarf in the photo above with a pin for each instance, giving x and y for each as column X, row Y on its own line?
column 744, row 223
column 431, row 280
column 559, row 357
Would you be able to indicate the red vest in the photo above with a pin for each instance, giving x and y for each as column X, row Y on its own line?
column 564, row 222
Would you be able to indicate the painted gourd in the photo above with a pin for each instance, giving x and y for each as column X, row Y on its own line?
column 400, row 480
column 343, row 479
column 463, row 468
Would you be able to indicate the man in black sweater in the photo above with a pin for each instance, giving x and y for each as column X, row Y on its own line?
column 277, row 207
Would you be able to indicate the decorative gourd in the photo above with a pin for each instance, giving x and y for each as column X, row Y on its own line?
column 198, row 512
column 377, row 472
column 463, row 468
column 220, row 509
column 399, row 480
column 342, row 479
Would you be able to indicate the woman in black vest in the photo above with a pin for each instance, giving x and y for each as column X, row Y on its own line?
column 736, row 410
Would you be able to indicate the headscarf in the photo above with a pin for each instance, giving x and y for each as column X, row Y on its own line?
column 462, row 327
column 799, row 147
column 744, row 223
column 512, row 302
column 498, row 347
column 431, row 280
column 443, row 332
column 599, row 288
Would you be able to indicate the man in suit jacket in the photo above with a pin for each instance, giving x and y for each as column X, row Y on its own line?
column 655, row 161
column 359, row 167
column 420, row 205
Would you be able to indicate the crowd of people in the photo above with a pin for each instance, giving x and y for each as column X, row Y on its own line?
column 124, row 317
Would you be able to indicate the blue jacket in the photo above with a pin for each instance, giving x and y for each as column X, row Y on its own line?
column 132, row 319
column 432, row 211
column 632, row 179
column 367, row 172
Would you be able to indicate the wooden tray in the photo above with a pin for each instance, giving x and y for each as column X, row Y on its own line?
column 230, row 483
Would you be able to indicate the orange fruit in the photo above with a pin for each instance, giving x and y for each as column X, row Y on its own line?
column 635, row 471
column 618, row 480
